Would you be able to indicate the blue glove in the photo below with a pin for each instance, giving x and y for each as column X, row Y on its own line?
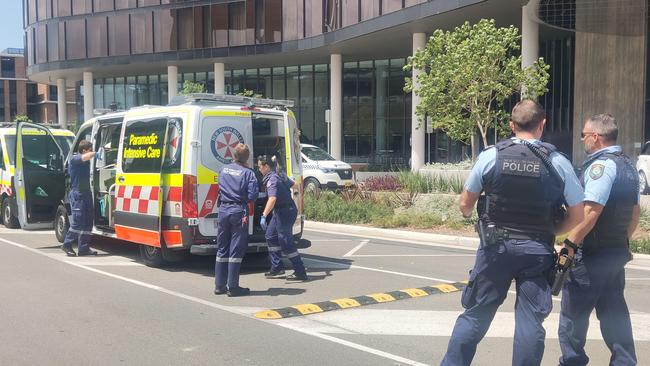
column 263, row 223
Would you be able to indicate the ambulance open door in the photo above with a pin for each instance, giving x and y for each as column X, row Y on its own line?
column 39, row 176
column 138, row 181
column 294, row 165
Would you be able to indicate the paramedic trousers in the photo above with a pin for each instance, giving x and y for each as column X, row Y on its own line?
column 528, row 263
column 232, row 241
column 596, row 282
column 279, row 237
column 81, row 224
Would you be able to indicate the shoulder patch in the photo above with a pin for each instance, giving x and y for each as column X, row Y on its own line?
column 596, row 171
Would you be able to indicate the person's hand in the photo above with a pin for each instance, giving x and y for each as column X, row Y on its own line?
column 570, row 246
column 263, row 223
column 570, row 251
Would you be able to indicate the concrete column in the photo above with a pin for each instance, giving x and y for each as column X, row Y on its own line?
column 418, row 128
column 336, row 106
column 89, row 103
column 61, row 106
column 172, row 82
column 219, row 78
column 529, row 37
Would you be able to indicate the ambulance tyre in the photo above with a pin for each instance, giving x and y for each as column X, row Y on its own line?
column 61, row 224
column 8, row 218
column 152, row 256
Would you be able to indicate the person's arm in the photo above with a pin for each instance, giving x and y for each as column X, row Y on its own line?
column 574, row 216
column 272, row 194
column 591, row 213
column 573, row 194
column 467, row 201
column 636, row 214
column 87, row 156
column 253, row 187
column 474, row 183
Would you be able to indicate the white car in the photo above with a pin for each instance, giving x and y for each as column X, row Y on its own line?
column 321, row 170
column 643, row 167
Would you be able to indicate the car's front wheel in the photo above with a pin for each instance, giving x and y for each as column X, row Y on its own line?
column 643, row 183
column 312, row 185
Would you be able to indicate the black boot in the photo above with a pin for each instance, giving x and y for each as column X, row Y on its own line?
column 238, row 291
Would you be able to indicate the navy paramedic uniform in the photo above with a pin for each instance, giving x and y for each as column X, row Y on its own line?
column 279, row 233
column 81, row 203
column 598, row 279
column 522, row 195
column 237, row 187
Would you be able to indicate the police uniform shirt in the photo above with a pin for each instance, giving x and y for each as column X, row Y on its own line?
column 278, row 187
column 600, row 175
column 237, row 184
column 573, row 193
column 79, row 171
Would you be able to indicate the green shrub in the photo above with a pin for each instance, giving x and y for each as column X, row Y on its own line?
column 420, row 183
column 641, row 245
column 644, row 220
column 330, row 207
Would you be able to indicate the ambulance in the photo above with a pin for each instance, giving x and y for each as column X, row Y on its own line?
column 41, row 156
column 155, row 175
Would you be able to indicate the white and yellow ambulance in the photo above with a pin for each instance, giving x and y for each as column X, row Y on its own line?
column 41, row 153
column 155, row 180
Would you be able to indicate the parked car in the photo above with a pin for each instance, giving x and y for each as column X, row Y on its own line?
column 643, row 167
column 322, row 171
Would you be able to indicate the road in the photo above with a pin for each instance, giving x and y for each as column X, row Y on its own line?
column 111, row 309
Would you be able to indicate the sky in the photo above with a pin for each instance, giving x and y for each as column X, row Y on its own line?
column 11, row 24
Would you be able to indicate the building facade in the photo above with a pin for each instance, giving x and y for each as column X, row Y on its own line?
column 341, row 56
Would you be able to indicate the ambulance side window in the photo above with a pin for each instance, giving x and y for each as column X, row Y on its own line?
column 174, row 148
column 2, row 157
column 142, row 150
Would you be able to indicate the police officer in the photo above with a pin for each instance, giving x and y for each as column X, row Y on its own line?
column 81, row 201
column 237, row 187
column 611, row 215
column 279, row 235
column 525, row 181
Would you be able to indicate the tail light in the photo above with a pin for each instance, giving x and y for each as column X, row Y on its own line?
column 190, row 207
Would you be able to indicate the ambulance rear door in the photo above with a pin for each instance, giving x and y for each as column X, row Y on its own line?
column 220, row 132
column 39, row 176
column 138, row 180
column 294, row 164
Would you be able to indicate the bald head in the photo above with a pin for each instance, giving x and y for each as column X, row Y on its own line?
column 527, row 115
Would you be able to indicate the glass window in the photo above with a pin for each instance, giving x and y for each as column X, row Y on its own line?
column 391, row 5
column 141, row 33
column 174, row 148
column 237, row 24
column 97, row 43
column 130, row 92
column 293, row 86
column 75, row 38
column 201, row 27
column 316, row 153
column 369, row 9
column 120, row 93
column 35, row 147
column 164, row 30
column 82, row 7
column 321, row 103
column 350, row 12
column 118, row 35
column 62, row 42
column 332, row 16
column 250, row 21
column 124, row 4
column 102, row 5
column 306, row 111
column 53, row 42
column 219, row 25
column 141, row 91
column 41, row 44
column 279, row 86
column 266, row 83
column 313, row 18
column 143, row 146
column 185, row 21
column 98, row 93
column 154, row 91
column 109, row 92
column 142, row 3
column 292, row 19
column 62, row 8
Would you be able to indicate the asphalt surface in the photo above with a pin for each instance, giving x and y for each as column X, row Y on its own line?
column 111, row 309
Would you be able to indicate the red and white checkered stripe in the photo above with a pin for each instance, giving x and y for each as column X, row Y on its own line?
column 138, row 199
column 172, row 201
column 6, row 189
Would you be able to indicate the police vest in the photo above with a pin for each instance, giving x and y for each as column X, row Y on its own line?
column 610, row 230
column 521, row 193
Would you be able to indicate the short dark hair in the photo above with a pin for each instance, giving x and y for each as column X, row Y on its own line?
column 269, row 160
column 527, row 115
column 84, row 145
column 242, row 153
column 605, row 125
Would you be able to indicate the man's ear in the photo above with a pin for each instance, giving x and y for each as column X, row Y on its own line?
column 543, row 124
column 512, row 126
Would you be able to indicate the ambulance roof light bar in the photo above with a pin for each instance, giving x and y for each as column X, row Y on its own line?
column 46, row 124
column 231, row 99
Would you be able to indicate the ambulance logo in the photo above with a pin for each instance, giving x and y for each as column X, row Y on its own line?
column 223, row 143
column 174, row 137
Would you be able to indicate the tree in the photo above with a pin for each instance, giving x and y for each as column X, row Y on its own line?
column 190, row 87
column 468, row 74
column 22, row 118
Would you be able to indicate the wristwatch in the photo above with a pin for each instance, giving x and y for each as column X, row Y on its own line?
column 571, row 244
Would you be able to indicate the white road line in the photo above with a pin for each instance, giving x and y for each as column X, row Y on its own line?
column 410, row 255
column 355, row 249
column 637, row 278
column 22, row 232
column 330, row 240
column 638, row 268
column 228, row 309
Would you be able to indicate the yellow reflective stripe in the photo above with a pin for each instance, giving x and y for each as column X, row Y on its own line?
column 415, row 292
column 287, row 143
column 5, row 182
column 268, row 314
column 62, row 133
column 380, row 297
column 11, row 169
column 172, row 180
column 138, row 179
column 346, row 303
column 306, row 309
column 206, row 176
column 446, row 288
column 226, row 113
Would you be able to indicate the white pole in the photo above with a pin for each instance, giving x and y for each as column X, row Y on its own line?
column 418, row 127
column 89, row 103
column 336, row 101
column 61, row 106
column 219, row 78
column 172, row 82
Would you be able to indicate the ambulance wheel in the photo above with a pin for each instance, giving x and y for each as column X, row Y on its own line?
column 312, row 185
column 152, row 256
column 8, row 217
column 61, row 224
column 643, row 183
